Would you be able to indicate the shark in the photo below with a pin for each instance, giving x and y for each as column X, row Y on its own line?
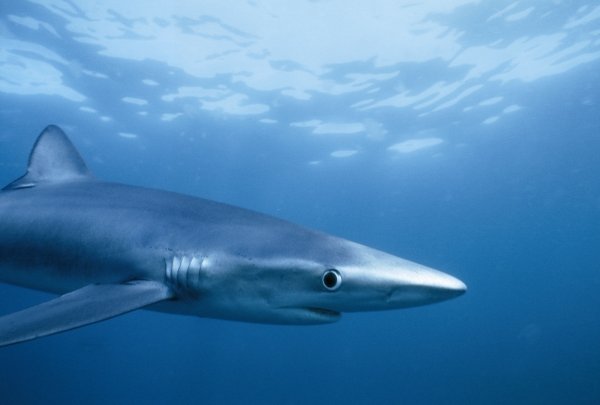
column 106, row 249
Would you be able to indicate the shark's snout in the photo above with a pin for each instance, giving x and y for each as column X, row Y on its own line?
column 382, row 281
column 439, row 287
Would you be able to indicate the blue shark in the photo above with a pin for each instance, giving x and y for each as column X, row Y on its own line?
column 107, row 249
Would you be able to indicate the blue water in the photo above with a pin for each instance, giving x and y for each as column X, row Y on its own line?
column 462, row 135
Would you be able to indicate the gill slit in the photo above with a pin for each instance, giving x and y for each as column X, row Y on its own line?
column 182, row 272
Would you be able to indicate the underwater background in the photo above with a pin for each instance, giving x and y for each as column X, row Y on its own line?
column 464, row 135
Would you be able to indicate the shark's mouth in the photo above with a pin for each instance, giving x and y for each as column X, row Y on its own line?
column 310, row 315
column 322, row 315
column 323, row 312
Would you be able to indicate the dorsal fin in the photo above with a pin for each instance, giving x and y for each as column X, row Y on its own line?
column 53, row 159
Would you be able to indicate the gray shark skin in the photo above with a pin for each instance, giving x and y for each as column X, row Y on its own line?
column 111, row 248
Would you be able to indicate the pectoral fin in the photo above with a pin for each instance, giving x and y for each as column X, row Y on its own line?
column 87, row 305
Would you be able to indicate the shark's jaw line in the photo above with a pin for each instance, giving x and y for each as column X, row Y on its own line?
column 311, row 315
column 111, row 248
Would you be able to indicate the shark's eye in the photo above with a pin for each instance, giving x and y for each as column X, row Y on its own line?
column 332, row 279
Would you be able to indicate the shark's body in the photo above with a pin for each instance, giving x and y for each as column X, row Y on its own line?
column 112, row 248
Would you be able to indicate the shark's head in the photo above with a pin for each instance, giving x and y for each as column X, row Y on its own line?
column 332, row 277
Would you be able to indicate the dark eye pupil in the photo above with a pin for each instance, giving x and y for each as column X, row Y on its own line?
column 331, row 279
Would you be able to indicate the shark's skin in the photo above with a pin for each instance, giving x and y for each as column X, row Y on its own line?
column 61, row 230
